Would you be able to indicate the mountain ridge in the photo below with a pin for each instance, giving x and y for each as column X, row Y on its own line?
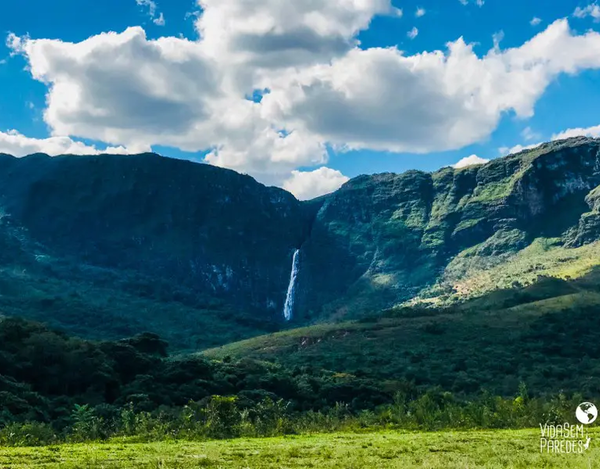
column 221, row 238
column 399, row 228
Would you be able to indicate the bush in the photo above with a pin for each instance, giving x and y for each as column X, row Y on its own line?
column 27, row 434
column 221, row 417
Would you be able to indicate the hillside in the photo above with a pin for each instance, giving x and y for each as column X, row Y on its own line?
column 108, row 246
column 213, row 229
column 385, row 239
column 545, row 335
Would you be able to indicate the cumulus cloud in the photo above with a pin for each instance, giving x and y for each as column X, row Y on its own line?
column 16, row 144
column 592, row 10
column 125, row 89
column 433, row 101
column 578, row 132
column 420, row 12
column 479, row 3
column 276, row 34
column 310, row 184
column 535, row 21
column 470, row 161
column 318, row 88
column 122, row 88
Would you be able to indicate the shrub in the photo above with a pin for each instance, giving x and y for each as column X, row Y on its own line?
column 27, row 434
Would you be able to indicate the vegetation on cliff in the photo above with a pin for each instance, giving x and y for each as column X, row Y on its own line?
column 109, row 246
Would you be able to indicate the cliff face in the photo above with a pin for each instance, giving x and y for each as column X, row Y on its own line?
column 383, row 239
column 216, row 231
column 378, row 241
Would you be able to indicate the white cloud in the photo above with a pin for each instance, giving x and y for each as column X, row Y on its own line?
column 160, row 20
column 479, row 3
column 592, row 10
column 152, row 9
column 16, row 144
column 535, row 21
column 578, row 132
column 470, row 161
column 517, row 148
column 420, row 12
column 413, row 33
column 383, row 100
column 529, row 134
column 310, row 184
column 124, row 89
column 276, row 33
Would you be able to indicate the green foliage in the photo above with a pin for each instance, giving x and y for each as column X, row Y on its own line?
column 58, row 388
column 544, row 335
column 95, row 247
column 27, row 434
column 454, row 234
column 221, row 417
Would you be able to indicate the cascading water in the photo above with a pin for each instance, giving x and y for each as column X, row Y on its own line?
column 288, row 308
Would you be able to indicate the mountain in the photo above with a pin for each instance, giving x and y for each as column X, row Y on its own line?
column 213, row 229
column 456, row 233
column 109, row 246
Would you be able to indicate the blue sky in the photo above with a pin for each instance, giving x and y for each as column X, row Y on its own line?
column 30, row 71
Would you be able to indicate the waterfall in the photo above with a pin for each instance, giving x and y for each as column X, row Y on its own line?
column 288, row 308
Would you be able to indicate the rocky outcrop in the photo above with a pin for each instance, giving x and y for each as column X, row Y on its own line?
column 588, row 229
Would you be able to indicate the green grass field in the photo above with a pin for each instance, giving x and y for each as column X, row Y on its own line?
column 473, row 449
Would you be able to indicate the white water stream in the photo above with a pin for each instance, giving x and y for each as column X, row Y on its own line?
column 288, row 308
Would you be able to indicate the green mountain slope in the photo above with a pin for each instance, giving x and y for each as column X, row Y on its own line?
column 218, row 231
column 384, row 239
column 108, row 246
column 546, row 335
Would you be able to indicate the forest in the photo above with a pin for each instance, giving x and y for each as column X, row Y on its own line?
column 58, row 388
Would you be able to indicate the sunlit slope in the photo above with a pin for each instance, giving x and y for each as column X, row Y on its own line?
column 546, row 335
column 453, row 234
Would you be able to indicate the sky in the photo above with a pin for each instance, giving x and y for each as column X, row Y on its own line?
column 300, row 94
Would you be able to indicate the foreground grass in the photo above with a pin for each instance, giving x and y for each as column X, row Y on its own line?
column 389, row 449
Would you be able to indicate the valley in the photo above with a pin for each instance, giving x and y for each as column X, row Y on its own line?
column 99, row 247
column 210, row 309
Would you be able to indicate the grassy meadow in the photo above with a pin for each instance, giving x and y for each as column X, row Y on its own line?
column 385, row 449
